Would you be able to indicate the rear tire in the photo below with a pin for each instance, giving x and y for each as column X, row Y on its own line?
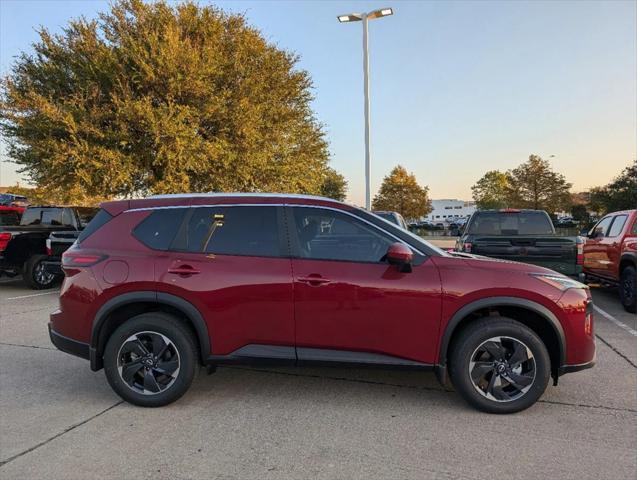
column 151, row 359
column 628, row 289
column 499, row 365
column 35, row 274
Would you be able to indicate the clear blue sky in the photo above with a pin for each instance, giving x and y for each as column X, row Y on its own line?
column 458, row 88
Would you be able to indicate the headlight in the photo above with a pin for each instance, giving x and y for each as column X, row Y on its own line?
column 560, row 282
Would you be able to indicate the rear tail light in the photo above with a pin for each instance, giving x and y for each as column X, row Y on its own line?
column 467, row 247
column 588, row 320
column 580, row 251
column 588, row 324
column 76, row 259
column 49, row 251
column 5, row 237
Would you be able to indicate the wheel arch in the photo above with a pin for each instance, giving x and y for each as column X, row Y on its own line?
column 532, row 314
column 628, row 259
column 120, row 308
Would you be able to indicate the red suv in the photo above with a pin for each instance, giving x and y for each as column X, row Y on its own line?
column 156, row 286
column 610, row 255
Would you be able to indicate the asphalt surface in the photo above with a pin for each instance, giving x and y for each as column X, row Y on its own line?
column 59, row 420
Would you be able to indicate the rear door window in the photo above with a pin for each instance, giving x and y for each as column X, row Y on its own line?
column 230, row 230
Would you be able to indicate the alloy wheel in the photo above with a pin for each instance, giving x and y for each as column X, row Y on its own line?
column 41, row 275
column 502, row 369
column 148, row 362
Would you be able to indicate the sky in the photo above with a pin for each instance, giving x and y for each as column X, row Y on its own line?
column 457, row 87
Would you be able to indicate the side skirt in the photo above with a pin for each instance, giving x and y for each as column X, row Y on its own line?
column 278, row 355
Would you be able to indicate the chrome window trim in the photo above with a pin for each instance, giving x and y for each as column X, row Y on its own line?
column 376, row 227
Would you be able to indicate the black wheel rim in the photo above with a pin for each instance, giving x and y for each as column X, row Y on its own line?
column 502, row 369
column 148, row 362
column 41, row 276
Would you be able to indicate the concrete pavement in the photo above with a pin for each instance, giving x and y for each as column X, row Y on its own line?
column 60, row 420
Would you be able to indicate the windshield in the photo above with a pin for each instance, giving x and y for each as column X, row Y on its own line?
column 508, row 223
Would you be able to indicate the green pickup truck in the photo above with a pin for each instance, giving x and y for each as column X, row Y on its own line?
column 523, row 236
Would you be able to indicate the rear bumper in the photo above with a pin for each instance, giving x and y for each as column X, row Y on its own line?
column 576, row 368
column 68, row 345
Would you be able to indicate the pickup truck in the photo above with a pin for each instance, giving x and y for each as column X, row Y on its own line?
column 524, row 236
column 23, row 247
column 10, row 215
column 610, row 255
column 56, row 245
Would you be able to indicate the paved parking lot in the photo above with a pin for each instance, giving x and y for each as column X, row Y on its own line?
column 59, row 420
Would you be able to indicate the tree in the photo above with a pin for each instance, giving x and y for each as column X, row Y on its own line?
column 491, row 191
column 154, row 98
column 620, row 194
column 535, row 185
column 401, row 193
column 334, row 185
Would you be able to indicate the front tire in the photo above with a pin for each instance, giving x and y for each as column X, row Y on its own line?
column 499, row 365
column 151, row 359
column 35, row 274
column 628, row 289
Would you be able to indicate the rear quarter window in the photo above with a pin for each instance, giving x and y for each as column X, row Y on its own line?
column 158, row 230
column 98, row 221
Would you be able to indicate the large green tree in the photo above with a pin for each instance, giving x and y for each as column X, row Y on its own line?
column 535, row 185
column 156, row 98
column 620, row 194
column 401, row 193
column 491, row 191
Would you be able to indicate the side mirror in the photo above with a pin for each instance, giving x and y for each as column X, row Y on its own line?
column 400, row 255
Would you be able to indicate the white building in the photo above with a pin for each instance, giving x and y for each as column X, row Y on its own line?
column 446, row 210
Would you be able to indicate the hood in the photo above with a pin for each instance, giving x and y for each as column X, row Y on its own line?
column 481, row 262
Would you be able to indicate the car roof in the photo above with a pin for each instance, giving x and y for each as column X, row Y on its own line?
column 194, row 199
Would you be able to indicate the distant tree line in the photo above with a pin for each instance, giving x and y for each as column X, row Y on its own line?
column 534, row 184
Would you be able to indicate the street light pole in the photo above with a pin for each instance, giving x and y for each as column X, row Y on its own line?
column 365, row 17
column 368, row 192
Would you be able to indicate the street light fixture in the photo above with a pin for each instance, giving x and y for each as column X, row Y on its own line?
column 364, row 17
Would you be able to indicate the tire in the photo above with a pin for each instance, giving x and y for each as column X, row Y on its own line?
column 35, row 275
column 484, row 379
column 628, row 289
column 173, row 372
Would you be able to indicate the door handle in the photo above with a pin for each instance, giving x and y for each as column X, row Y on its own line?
column 314, row 280
column 184, row 270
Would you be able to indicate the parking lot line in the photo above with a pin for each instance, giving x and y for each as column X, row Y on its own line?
column 608, row 316
column 33, row 295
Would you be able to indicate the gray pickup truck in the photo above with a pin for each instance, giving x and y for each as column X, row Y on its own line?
column 523, row 236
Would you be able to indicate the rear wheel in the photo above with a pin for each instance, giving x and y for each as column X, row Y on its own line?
column 36, row 275
column 151, row 359
column 628, row 289
column 499, row 365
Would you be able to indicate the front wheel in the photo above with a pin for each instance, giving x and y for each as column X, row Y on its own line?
column 628, row 289
column 151, row 359
column 499, row 365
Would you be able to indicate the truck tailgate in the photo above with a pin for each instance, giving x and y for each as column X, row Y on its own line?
column 556, row 253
